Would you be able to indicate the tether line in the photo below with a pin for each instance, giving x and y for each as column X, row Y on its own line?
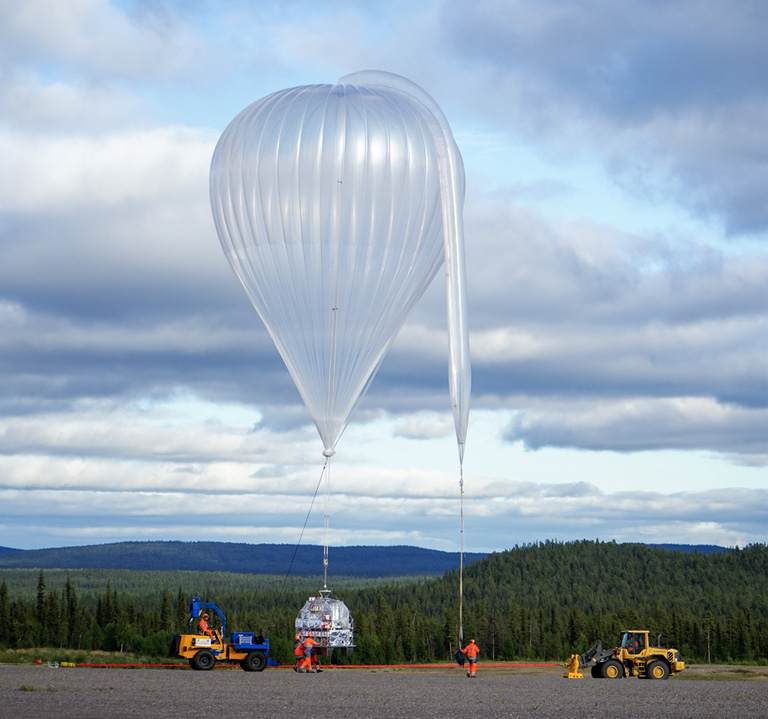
column 312, row 503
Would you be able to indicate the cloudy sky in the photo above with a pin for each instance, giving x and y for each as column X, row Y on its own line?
column 615, row 223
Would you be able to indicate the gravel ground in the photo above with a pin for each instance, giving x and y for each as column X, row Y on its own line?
column 40, row 692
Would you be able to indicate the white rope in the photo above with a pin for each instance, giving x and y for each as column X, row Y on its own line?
column 461, row 557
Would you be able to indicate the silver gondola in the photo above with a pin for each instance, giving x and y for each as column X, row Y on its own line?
column 328, row 622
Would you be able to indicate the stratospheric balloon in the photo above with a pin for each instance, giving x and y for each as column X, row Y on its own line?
column 336, row 206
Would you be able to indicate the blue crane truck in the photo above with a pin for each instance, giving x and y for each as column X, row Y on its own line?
column 205, row 648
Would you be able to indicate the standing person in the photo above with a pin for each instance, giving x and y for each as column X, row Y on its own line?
column 309, row 645
column 471, row 650
column 298, row 652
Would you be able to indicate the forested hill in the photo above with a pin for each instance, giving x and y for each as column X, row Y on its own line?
column 610, row 577
column 627, row 581
column 541, row 601
column 549, row 599
column 241, row 558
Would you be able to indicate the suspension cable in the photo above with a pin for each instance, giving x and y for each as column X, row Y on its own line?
column 296, row 549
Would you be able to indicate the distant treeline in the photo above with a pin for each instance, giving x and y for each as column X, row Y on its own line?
column 241, row 558
column 538, row 602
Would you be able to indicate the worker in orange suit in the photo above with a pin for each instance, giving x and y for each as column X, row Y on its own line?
column 309, row 645
column 203, row 627
column 471, row 650
column 298, row 652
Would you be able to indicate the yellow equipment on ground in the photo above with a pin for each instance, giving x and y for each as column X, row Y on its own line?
column 573, row 668
column 204, row 650
column 634, row 657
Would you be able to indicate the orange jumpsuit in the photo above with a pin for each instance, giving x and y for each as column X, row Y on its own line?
column 298, row 651
column 202, row 628
column 471, row 650
column 308, row 644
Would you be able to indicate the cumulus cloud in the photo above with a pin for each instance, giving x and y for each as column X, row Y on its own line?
column 726, row 517
column 589, row 310
column 643, row 424
column 89, row 219
column 69, row 174
column 425, row 425
column 138, row 384
column 673, row 95
column 95, row 37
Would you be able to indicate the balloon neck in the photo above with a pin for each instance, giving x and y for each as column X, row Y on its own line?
column 329, row 452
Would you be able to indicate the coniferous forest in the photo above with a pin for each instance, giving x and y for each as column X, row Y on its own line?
column 538, row 602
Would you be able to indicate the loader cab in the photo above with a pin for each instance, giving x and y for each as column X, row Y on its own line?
column 634, row 642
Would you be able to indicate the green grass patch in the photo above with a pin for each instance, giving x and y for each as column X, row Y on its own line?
column 724, row 673
column 57, row 656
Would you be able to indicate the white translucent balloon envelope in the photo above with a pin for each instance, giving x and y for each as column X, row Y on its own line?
column 336, row 205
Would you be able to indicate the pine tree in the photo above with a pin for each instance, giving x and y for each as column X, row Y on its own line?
column 182, row 612
column 72, row 612
column 5, row 615
column 41, row 610
column 166, row 623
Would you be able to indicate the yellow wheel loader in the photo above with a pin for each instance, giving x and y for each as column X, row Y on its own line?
column 634, row 657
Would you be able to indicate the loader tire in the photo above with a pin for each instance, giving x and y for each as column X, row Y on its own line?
column 596, row 672
column 657, row 670
column 205, row 660
column 612, row 669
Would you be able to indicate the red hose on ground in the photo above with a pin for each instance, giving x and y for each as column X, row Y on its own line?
column 322, row 666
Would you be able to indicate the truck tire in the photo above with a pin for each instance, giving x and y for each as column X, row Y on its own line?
column 612, row 669
column 596, row 671
column 657, row 670
column 254, row 661
column 205, row 660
